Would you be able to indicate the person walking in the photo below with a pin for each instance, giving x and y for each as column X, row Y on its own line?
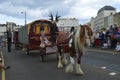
column 117, row 48
column 9, row 36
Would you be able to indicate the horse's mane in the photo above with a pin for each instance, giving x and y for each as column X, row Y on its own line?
column 90, row 33
column 82, row 34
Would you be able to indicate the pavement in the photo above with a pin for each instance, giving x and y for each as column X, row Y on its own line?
column 108, row 50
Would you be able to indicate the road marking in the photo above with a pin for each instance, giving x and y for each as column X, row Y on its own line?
column 112, row 73
column 103, row 67
column 3, row 71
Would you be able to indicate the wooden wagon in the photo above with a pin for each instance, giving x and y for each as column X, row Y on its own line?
column 29, row 36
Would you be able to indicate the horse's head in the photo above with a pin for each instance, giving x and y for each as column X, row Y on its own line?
column 54, row 28
column 89, row 31
column 85, row 33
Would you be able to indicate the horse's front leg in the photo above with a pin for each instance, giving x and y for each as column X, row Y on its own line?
column 60, row 65
column 64, row 60
column 69, row 68
column 78, row 66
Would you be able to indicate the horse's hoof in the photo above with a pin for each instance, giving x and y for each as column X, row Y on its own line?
column 79, row 72
column 69, row 69
column 64, row 62
column 60, row 66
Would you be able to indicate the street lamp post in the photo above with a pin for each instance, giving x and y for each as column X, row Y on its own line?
column 25, row 17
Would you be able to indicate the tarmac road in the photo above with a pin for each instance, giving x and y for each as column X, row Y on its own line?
column 95, row 64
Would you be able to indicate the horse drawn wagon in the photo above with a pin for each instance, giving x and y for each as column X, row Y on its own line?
column 41, row 35
column 30, row 36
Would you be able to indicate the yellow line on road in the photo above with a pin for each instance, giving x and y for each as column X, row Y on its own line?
column 3, row 71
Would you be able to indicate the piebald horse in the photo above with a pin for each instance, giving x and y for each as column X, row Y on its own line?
column 74, row 47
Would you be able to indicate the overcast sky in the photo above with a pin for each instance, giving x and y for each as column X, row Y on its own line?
column 10, row 10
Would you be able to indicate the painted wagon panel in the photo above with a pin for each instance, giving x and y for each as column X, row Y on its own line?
column 23, row 35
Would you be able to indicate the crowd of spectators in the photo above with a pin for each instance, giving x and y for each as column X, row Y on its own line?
column 107, row 38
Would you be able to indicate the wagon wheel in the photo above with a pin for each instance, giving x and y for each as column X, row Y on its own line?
column 27, row 51
column 16, row 46
column 42, row 57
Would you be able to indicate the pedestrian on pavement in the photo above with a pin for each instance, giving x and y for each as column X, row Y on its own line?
column 117, row 49
column 103, row 36
column 9, row 36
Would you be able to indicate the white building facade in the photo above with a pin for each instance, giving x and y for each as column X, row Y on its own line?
column 2, row 29
column 110, row 20
column 92, row 23
column 65, row 24
column 8, row 26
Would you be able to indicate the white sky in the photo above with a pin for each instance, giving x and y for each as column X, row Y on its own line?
column 10, row 10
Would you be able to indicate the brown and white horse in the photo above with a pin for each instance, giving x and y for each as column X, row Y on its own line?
column 75, row 47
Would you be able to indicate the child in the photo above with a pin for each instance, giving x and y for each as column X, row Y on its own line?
column 117, row 49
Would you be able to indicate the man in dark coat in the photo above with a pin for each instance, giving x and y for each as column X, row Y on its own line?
column 9, row 36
